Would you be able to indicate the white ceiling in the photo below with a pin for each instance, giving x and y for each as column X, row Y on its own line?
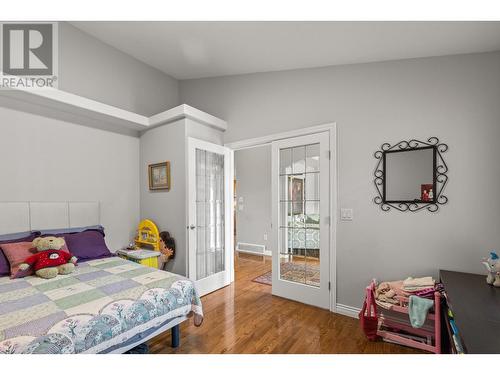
column 188, row 50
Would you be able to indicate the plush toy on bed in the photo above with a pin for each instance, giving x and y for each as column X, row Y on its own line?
column 50, row 260
column 492, row 265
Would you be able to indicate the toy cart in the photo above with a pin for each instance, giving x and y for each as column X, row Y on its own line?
column 396, row 328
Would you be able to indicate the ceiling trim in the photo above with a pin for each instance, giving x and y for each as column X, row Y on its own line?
column 92, row 113
column 183, row 111
column 268, row 139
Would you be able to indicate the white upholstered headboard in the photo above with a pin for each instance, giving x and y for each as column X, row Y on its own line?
column 26, row 216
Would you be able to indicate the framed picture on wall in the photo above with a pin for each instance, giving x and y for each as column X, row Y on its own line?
column 159, row 176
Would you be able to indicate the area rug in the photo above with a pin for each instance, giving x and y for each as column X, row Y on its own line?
column 265, row 278
column 292, row 272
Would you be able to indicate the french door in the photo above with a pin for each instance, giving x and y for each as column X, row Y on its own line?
column 209, row 215
column 301, row 218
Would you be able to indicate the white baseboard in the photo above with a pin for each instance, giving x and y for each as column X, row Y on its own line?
column 347, row 310
column 251, row 248
column 267, row 253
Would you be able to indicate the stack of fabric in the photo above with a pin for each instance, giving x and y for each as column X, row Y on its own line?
column 387, row 292
column 414, row 285
column 429, row 292
column 419, row 291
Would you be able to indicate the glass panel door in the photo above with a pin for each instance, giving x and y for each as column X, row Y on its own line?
column 210, row 191
column 210, row 246
column 301, row 218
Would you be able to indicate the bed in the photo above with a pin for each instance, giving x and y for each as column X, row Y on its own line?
column 106, row 305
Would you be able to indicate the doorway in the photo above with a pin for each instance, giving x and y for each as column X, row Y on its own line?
column 253, row 215
column 303, row 193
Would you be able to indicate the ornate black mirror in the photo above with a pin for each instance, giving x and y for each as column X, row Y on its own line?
column 411, row 175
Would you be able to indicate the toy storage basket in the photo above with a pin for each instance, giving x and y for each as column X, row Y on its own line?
column 395, row 327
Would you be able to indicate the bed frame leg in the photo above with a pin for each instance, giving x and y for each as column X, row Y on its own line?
column 176, row 337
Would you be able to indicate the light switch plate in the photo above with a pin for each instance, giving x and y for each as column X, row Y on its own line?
column 346, row 214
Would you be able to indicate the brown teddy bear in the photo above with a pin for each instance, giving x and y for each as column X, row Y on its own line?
column 50, row 260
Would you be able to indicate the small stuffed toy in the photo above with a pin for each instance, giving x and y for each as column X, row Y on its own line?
column 50, row 260
column 167, row 249
column 492, row 265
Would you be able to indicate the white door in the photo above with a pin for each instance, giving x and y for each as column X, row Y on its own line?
column 301, row 222
column 209, row 215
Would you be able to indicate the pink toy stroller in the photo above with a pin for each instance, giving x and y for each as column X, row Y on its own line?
column 395, row 327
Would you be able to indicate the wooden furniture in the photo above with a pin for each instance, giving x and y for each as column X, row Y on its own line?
column 397, row 329
column 148, row 258
column 475, row 307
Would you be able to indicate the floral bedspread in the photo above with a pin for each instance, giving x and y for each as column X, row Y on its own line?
column 102, row 304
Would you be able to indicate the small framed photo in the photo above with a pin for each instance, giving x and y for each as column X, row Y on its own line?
column 159, row 176
column 426, row 193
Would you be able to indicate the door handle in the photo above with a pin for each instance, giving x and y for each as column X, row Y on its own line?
column 192, row 227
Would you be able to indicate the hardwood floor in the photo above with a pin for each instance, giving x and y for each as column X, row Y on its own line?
column 245, row 318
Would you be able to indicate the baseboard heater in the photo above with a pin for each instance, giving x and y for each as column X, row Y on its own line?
column 251, row 248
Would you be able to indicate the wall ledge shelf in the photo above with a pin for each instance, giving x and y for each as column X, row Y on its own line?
column 69, row 107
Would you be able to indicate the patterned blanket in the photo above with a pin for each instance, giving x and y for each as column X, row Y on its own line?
column 102, row 304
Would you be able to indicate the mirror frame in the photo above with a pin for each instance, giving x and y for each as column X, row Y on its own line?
column 440, row 177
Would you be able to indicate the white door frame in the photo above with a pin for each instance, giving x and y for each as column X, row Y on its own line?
column 267, row 140
column 192, row 143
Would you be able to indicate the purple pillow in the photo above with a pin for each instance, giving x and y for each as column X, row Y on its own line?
column 4, row 263
column 87, row 245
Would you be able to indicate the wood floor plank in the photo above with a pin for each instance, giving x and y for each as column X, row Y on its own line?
column 246, row 318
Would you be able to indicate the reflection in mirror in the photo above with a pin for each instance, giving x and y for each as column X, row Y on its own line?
column 409, row 175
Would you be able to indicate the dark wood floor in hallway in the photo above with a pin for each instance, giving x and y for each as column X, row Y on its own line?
column 245, row 318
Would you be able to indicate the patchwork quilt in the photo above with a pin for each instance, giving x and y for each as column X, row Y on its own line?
column 104, row 303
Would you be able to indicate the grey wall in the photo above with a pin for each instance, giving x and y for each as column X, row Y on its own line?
column 91, row 164
column 455, row 98
column 200, row 131
column 168, row 209
column 253, row 183
column 42, row 159
column 95, row 70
